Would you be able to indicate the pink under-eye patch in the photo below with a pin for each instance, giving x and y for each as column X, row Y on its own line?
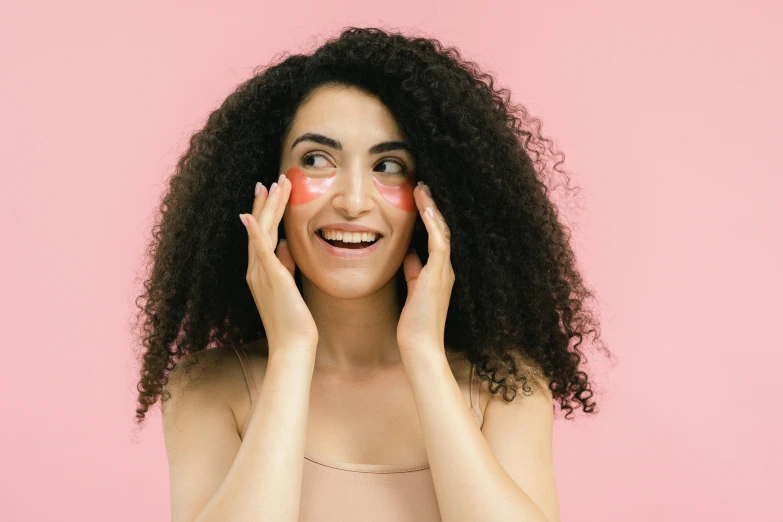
column 305, row 189
column 401, row 196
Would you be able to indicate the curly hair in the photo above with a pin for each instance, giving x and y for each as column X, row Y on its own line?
column 518, row 299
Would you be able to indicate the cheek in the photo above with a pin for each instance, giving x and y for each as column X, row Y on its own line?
column 401, row 196
column 305, row 189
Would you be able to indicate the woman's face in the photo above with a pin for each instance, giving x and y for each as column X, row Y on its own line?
column 342, row 174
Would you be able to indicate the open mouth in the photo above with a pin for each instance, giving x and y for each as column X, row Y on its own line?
column 349, row 245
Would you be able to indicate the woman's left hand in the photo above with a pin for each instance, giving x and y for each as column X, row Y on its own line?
column 423, row 319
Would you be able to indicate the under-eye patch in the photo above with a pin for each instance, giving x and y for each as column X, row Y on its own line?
column 305, row 188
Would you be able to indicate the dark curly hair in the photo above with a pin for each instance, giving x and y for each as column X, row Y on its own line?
column 518, row 298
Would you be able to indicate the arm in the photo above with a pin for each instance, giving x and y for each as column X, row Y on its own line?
column 478, row 474
column 217, row 477
column 470, row 481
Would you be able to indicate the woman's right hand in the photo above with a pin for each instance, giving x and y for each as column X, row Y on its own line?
column 288, row 323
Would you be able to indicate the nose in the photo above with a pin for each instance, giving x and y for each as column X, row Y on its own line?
column 352, row 190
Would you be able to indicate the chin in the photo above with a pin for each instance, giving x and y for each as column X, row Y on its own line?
column 347, row 278
column 347, row 284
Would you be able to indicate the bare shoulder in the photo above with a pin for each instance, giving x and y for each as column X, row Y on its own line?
column 258, row 349
column 213, row 372
column 536, row 384
column 196, row 370
column 258, row 353
column 199, row 427
column 461, row 368
column 237, row 382
column 204, row 372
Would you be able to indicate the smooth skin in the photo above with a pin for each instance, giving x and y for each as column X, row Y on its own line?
column 214, row 475
column 353, row 302
column 353, row 349
column 270, row 275
column 333, row 346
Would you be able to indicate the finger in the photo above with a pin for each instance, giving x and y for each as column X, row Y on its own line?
column 267, row 218
column 256, row 240
column 285, row 190
column 438, row 236
column 260, row 245
column 258, row 204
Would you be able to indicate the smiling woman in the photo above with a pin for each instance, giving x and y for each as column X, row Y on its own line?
column 351, row 171
column 370, row 324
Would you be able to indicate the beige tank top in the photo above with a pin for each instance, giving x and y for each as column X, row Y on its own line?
column 339, row 491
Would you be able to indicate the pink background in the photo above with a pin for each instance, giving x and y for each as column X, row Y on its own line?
column 670, row 119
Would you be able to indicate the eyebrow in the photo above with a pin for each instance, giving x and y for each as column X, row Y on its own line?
column 379, row 148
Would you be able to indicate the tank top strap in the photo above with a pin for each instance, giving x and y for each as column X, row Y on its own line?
column 245, row 362
column 475, row 405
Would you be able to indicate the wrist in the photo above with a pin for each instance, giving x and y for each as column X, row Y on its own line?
column 292, row 355
column 429, row 357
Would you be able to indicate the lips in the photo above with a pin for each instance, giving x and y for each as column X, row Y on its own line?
column 350, row 253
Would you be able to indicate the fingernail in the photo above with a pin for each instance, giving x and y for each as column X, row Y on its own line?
column 280, row 179
column 427, row 190
column 430, row 212
column 272, row 188
column 258, row 188
column 242, row 219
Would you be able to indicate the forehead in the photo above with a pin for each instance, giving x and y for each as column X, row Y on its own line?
column 349, row 115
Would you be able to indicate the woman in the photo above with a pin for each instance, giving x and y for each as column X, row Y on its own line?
column 366, row 365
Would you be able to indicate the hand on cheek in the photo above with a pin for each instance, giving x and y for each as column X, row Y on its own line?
column 305, row 189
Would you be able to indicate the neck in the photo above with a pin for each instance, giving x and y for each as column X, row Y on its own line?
column 354, row 335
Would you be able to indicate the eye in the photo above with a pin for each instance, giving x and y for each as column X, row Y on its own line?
column 307, row 156
column 403, row 169
column 402, row 172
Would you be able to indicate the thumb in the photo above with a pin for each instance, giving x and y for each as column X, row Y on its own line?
column 284, row 255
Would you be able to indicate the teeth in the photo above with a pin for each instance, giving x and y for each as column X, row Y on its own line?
column 348, row 237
